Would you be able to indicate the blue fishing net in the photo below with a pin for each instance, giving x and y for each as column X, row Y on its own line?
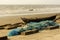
column 16, row 31
column 41, row 25
column 33, row 25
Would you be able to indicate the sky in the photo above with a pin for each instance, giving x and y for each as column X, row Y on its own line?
column 23, row 2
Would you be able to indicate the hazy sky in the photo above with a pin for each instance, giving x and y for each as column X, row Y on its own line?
column 30, row 2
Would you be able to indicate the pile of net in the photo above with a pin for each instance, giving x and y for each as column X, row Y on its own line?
column 32, row 25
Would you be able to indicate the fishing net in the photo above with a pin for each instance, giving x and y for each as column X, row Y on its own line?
column 33, row 25
column 16, row 31
column 41, row 25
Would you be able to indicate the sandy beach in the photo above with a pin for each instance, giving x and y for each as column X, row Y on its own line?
column 12, row 14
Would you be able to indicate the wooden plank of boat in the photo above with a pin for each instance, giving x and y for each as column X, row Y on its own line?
column 30, row 32
column 52, row 27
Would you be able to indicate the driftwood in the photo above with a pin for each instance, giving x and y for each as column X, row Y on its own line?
column 29, row 32
column 4, row 38
column 13, row 26
column 10, row 27
column 18, row 24
column 52, row 27
column 1, row 28
column 5, row 26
